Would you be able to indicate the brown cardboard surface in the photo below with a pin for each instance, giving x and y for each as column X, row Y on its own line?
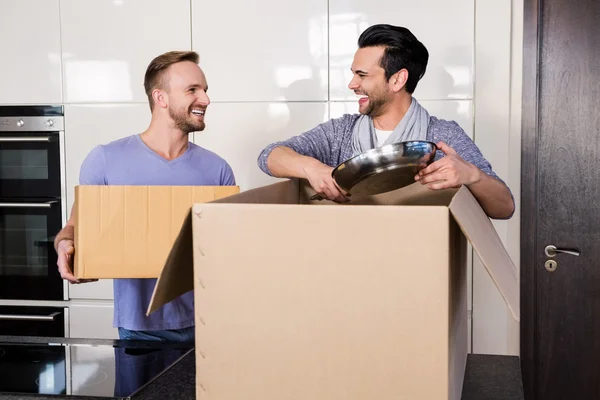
column 128, row 231
column 178, row 272
column 177, row 276
column 458, row 331
column 304, row 306
column 286, row 192
column 412, row 195
column 488, row 245
column 300, row 299
column 180, row 262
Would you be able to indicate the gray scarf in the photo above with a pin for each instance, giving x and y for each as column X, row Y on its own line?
column 413, row 126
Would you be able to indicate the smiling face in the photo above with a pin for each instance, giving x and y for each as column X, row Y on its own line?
column 186, row 89
column 368, row 81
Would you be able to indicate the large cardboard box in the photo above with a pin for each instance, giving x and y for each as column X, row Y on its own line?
column 128, row 231
column 365, row 300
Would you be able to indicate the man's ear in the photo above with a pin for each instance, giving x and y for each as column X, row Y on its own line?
column 398, row 80
column 161, row 98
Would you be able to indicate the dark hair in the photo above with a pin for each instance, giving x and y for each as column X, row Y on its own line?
column 402, row 50
column 155, row 71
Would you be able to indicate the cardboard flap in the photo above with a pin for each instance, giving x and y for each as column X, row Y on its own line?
column 285, row 192
column 177, row 277
column 478, row 228
column 415, row 194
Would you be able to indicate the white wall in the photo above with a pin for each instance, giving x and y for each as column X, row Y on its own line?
column 498, row 61
column 275, row 69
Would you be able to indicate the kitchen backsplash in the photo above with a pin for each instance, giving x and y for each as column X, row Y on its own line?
column 275, row 69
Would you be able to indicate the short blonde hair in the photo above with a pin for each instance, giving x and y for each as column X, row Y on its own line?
column 158, row 66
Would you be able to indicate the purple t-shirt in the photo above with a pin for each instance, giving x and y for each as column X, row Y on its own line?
column 129, row 161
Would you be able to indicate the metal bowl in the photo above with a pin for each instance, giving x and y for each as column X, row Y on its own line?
column 385, row 168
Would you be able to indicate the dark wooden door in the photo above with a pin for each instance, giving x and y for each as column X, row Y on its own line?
column 560, row 312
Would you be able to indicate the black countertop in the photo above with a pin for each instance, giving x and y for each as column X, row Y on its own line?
column 177, row 383
column 488, row 377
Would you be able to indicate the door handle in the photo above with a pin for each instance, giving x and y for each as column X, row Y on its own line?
column 552, row 251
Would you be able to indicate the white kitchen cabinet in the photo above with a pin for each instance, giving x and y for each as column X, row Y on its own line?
column 263, row 50
column 100, row 290
column 239, row 131
column 444, row 27
column 92, row 320
column 107, row 45
column 30, row 71
column 87, row 126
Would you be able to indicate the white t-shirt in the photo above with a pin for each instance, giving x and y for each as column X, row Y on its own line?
column 382, row 136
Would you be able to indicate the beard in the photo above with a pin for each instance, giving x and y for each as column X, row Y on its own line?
column 378, row 98
column 375, row 107
column 185, row 120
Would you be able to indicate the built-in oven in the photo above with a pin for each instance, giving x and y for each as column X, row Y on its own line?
column 30, row 152
column 31, row 201
column 32, row 321
column 28, row 260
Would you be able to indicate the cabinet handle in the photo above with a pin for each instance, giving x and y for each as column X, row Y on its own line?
column 23, row 317
column 25, row 139
column 28, row 205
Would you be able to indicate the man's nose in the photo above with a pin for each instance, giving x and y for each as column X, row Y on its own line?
column 353, row 85
column 203, row 98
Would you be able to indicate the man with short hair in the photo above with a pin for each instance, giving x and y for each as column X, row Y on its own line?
column 387, row 66
column 161, row 155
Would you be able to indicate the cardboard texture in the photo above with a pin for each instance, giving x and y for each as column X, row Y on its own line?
column 301, row 300
column 128, row 231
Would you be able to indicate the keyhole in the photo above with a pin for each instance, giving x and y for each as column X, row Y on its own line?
column 551, row 265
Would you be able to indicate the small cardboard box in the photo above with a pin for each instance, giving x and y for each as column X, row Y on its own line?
column 366, row 300
column 128, row 231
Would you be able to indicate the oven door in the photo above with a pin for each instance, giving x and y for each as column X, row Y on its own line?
column 28, row 268
column 30, row 164
column 32, row 321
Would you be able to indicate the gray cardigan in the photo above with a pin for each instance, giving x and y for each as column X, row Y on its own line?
column 331, row 143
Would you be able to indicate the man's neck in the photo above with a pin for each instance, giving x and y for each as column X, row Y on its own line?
column 393, row 113
column 167, row 142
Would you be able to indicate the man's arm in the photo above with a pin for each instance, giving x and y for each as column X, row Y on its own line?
column 67, row 232
column 306, row 156
column 92, row 172
column 64, row 244
column 314, row 144
column 464, row 164
column 227, row 177
column 493, row 196
column 452, row 171
column 284, row 162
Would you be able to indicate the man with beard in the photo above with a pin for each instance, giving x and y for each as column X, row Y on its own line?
column 162, row 155
column 387, row 66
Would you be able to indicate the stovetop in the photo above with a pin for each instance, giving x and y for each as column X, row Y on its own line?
column 110, row 371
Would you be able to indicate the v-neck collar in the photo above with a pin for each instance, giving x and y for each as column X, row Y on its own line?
column 185, row 154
